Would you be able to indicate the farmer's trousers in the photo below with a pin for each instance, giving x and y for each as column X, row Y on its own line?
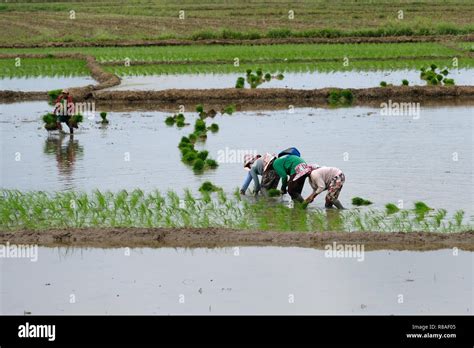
column 296, row 187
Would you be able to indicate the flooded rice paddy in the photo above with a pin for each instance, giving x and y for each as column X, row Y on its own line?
column 44, row 83
column 303, row 80
column 385, row 158
column 246, row 280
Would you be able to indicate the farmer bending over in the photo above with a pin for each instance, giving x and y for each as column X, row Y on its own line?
column 64, row 109
column 286, row 165
column 326, row 178
column 257, row 165
column 254, row 165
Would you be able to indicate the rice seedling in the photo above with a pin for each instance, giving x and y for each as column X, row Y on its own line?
column 177, row 119
column 40, row 210
column 435, row 76
column 214, row 127
column 103, row 116
column 391, row 208
column 53, row 95
column 208, row 186
column 274, row 193
column 405, row 82
column 383, row 84
column 358, row 201
column 255, row 80
column 43, row 67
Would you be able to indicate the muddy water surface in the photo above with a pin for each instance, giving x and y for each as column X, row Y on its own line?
column 303, row 80
column 44, row 83
column 385, row 158
column 246, row 280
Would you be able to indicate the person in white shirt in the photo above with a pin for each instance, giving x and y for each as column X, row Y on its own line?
column 326, row 178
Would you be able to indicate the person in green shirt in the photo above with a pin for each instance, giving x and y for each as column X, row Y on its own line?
column 285, row 166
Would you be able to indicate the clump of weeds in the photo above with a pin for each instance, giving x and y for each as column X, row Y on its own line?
column 340, row 97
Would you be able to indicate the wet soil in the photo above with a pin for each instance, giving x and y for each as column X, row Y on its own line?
column 224, row 237
column 263, row 41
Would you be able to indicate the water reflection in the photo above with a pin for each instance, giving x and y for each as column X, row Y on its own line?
column 66, row 152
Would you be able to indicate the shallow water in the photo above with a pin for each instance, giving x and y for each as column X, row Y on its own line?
column 304, row 80
column 385, row 158
column 246, row 280
column 44, row 83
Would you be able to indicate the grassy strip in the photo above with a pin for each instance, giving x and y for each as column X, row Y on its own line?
column 39, row 210
column 372, row 65
column 35, row 67
column 251, row 53
column 42, row 21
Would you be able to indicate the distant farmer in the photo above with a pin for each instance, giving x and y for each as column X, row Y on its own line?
column 64, row 109
column 325, row 178
column 286, row 165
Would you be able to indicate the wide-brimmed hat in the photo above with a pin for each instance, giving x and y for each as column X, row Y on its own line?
column 249, row 160
column 304, row 168
column 267, row 160
column 66, row 91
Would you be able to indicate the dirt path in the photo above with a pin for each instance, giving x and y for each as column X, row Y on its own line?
column 219, row 237
column 263, row 41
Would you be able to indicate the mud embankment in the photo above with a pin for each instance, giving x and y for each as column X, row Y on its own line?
column 267, row 95
column 261, row 41
column 105, row 79
column 221, row 237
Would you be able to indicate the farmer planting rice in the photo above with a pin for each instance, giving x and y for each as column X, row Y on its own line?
column 64, row 109
column 284, row 166
column 321, row 179
column 254, row 165
column 257, row 165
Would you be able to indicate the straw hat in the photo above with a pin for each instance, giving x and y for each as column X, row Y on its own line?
column 267, row 160
column 303, row 168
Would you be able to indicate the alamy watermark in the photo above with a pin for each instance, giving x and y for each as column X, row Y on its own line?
column 336, row 250
column 400, row 109
column 229, row 155
column 20, row 251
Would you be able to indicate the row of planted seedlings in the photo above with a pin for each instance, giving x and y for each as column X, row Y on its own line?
column 40, row 210
column 198, row 160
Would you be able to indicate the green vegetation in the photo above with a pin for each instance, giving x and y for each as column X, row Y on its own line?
column 255, row 80
column 340, row 97
column 40, row 210
column 103, row 116
column 282, row 67
column 42, row 67
column 358, row 201
column 50, row 122
column 391, row 208
column 208, row 186
column 284, row 53
column 139, row 20
column 435, row 76
column 177, row 119
column 53, row 95
column 383, row 84
column 274, row 193
column 405, row 82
